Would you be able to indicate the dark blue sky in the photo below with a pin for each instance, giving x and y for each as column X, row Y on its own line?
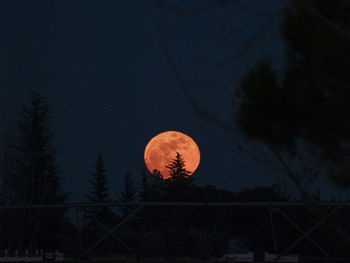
column 110, row 86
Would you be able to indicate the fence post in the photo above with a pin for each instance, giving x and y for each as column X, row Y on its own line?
column 273, row 232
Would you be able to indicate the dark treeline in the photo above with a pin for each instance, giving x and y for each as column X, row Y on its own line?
column 29, row 175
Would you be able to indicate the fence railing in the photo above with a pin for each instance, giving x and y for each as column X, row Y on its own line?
column 282, row 256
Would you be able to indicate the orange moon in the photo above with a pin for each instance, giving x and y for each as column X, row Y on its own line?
column 161, row 150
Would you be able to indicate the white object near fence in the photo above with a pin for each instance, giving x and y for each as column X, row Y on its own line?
column 231, row 257
column 290, row 258
column 249, row 257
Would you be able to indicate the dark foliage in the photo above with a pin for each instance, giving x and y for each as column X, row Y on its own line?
column 127, row 195
column 99, row 194
column 99, row 219
column 202, row 232
column 144, row 189
column 34, row 179
column 180, row 183
column 306, row 103
column 302, row 111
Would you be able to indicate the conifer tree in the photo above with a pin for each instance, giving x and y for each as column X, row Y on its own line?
column 180, row 183
column 36, row 179
column 144, row 190
column 177, row 170
column 99, row 194
column 127, row 195
column 7, row 162
column 157, row 186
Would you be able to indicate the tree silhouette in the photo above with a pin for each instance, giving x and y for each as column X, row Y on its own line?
column 144, row 188
column 298, row 114
column 302, row 109
column 36, row 179
column 177, row 170
column 157, row 175
column 99, row 194
column 7, row 166
column 7, row 171
column 180, row 182
column 156, row 186
column 98, row 218
column 127, row 195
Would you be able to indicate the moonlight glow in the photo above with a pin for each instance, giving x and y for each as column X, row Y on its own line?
column 162, row 149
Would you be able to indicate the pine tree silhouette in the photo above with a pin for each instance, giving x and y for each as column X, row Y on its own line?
column 99, row 194
column 36, row 179
column 144, row 189
column 127, row 195
column 177, row 169
column 180, row 183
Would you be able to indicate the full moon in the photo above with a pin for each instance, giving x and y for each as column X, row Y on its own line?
column 162, row 149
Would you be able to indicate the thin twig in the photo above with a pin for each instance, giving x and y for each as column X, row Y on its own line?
column 327, row 21
column 194, row 11
column 182, row 85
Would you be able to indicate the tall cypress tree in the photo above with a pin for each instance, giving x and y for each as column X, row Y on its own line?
column 36, row 179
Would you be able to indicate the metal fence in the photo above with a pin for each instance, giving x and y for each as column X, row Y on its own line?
column 279, row 256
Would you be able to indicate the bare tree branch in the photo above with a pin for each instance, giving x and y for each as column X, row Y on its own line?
column 243, row 5
column 324, row 19
column 306, row 196
column 182, row 85
column 245, row 48
column 195, row 11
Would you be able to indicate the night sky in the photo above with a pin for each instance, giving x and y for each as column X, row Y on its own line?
column 111, row 89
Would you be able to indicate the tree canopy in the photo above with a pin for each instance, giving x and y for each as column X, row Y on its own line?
column 307, row 102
